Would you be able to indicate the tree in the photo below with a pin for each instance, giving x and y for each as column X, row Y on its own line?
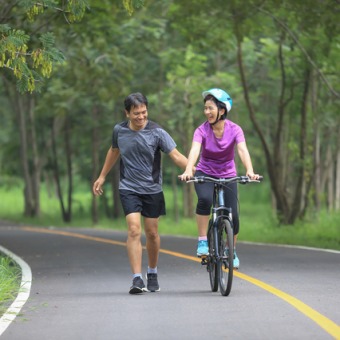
column 26, row 60
column 290, row 173
column 96, row 72
column 29, row 58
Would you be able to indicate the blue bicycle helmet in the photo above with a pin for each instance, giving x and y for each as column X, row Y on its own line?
column 221, row 96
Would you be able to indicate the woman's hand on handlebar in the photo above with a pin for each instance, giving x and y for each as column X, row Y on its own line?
column 186, row 175
column 253, row 176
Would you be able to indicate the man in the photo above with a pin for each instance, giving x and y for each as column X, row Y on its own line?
column 139, row 142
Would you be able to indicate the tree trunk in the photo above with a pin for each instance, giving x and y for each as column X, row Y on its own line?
column 68, row 150
column 281, row 202
column 299, row 187
column 28, row 190
column 330, row 181
column 317, row 146
column 337, row 175
column 36, row 160
column 23, row 104
column 56, row 171
column 66, row 211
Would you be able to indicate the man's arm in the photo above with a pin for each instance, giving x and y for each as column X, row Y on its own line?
column 110, row 160
column 179, row 159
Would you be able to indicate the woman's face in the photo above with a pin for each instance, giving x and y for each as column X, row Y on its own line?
column 138, row 117
column 210, row 111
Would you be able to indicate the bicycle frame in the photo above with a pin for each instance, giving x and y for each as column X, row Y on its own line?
column 218, row 210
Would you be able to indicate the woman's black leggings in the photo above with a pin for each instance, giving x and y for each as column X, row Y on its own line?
column 205, row 193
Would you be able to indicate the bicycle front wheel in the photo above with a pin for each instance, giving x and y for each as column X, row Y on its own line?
column 211, row 261
column 226, row 256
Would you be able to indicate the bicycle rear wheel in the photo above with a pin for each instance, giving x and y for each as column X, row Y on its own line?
column 211, row 262
column 226, row 256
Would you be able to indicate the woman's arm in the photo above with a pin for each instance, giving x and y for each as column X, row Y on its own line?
column 192, row 159
column 246, row 160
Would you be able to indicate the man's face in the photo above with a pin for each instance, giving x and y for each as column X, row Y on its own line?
column 137, row 116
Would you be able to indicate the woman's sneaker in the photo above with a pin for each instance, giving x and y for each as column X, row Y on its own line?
column 138, row 286
column 152, row 282
column 202, row 248
column 236, row 261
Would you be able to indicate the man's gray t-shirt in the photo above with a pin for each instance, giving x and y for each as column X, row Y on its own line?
column 140, row 156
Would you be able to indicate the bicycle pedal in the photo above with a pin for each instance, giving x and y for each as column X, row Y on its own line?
column 204, row 259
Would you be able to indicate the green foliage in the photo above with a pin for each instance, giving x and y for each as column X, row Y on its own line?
column 75, row 9
column 29, row 67
column 131, row 5
column 29, row 62
column 72, row 9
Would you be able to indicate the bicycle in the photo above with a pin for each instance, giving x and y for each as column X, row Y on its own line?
column 220, row 234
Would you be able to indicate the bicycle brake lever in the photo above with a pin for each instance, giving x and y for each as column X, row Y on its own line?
column 244, row 180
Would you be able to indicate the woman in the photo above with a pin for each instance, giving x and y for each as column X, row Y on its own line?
column 214, row 141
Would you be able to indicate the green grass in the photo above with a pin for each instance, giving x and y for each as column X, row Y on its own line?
column 10, row 275
column 258, row 222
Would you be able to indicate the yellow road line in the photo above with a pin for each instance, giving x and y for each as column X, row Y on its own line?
column 329, row 326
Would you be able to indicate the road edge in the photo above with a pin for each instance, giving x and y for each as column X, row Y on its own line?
column 24, row 291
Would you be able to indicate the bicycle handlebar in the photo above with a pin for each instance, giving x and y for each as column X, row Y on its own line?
column 238, row 179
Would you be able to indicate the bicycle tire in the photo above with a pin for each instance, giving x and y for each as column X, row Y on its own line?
column 226, row 258
column 211, row 262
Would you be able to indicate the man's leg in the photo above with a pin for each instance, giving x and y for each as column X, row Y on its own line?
column 134, row 245
column 152, row 245
column 152, row 240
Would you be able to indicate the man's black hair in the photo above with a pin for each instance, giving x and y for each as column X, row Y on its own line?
column 135, row 99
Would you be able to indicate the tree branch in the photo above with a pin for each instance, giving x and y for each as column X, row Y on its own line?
column 296, row 40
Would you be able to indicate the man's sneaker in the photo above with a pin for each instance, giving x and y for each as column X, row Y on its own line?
column 138, row 286
column 152, row 282
column 236, row 261
column 202, row 248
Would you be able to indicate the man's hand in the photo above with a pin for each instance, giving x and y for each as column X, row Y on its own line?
column 97, row 186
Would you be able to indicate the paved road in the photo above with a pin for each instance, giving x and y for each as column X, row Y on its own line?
column 81, row 279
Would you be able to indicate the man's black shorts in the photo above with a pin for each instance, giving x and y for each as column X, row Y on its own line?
column 151, row 205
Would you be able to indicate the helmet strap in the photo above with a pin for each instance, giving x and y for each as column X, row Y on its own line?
column 215, row 122
column 218, row 118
